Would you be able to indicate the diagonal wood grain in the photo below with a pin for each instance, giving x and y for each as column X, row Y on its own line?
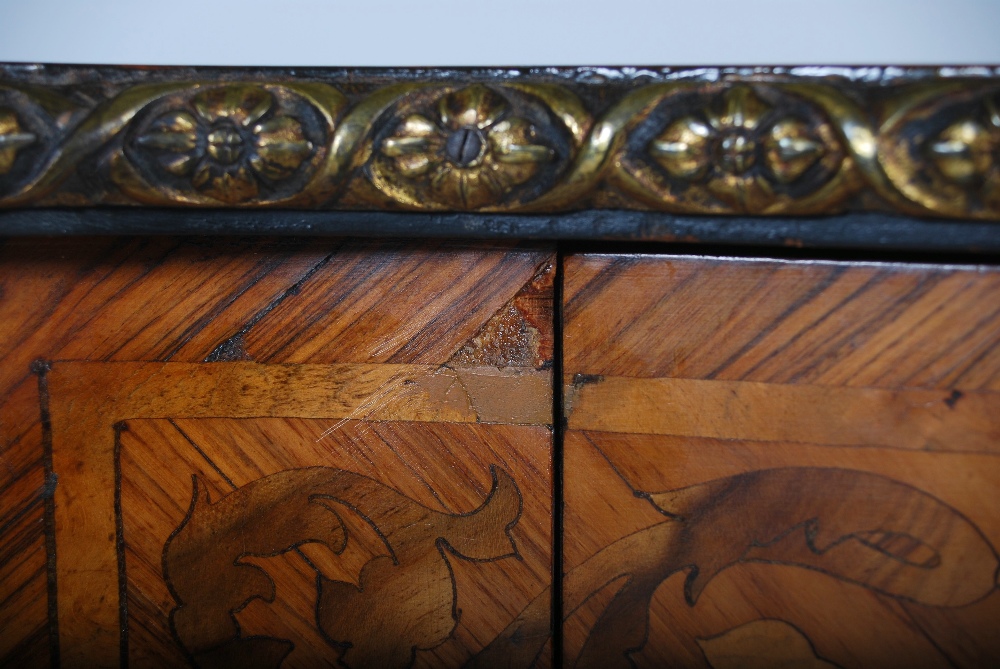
column 94, row 299
column 24, row 583
column 821, row 323
column 196, row 300
column 773, row 462
column 379, row 302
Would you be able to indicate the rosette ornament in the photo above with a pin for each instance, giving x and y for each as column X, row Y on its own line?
column 468, row 155
column 234, row 141
column 743, row 152
column 967, row 153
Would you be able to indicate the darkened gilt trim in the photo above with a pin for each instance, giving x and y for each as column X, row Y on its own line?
column 869, row 231
column 708, row 141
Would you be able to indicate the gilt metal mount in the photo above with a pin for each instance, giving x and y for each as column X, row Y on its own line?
column 746, row 141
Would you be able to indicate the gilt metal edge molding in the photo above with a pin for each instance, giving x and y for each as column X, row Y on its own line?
column 704, row 141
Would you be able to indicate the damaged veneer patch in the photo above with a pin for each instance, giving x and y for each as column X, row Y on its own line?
column 520, row 334
column 512, row 396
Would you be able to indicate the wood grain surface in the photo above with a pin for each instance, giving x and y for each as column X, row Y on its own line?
column 383, row 385
column 304, row 453
column 777, row 463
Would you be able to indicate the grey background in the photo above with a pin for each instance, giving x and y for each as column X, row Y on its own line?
column 501, row 32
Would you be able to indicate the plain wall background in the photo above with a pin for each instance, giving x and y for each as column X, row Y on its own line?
column 501, row 32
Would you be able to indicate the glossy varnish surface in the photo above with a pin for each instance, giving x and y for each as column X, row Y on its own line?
column 780, row 462
column 251, row 434
column 301, row 452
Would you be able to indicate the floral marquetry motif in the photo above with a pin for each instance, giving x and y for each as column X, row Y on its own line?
column 323, row 453
column 778, row 463
column 329, row 435
column 713, row 141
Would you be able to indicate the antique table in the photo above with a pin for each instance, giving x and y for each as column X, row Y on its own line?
column 397, row 367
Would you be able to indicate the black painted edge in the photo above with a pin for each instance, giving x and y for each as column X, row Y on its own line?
column 871, row 231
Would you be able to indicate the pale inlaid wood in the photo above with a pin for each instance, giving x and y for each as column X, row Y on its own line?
column 421, row 328
column 780, row 463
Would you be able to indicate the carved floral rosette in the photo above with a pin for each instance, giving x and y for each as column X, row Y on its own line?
column 223, row 145
column 746, row 149
column 941, row 150
column 468, row 148
column 757, row 144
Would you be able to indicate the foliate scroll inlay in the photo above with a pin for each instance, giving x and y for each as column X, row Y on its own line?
column 378, row 621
